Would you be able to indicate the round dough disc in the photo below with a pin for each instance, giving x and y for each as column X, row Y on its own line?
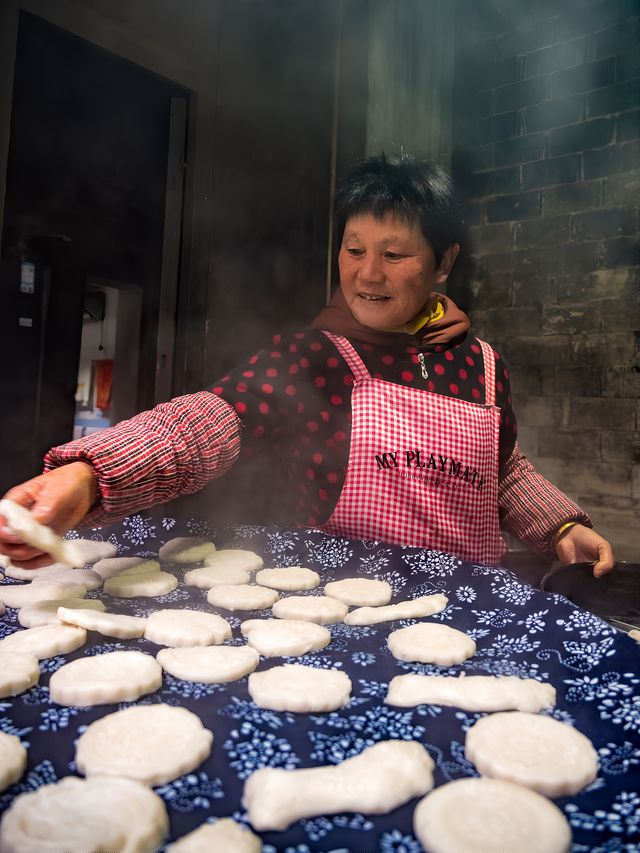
column 207, row 578
column 112, row 566
column 223, row 835
column 532, row 750
column 151, row 743
column 92, row 550
column 86, row 814
column 301, row 689
column 489, row 816
column 415, row 608
column 311, row 608
column 22, row 595
column 86, row 577
column 241, row 597
column 121, row 676
column 360, row 592
column 13, row 760
column 18, row 672
column 45, row 641
column 234, row 557
column 292, row 579
column 429, row 642
column 46, row 612
column 284, row 637
column 209, row 664
column 186, row 628
column 186, row 549
column 109, row 624
column 148, row 585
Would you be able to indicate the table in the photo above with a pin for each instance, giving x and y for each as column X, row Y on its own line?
column 518, row 631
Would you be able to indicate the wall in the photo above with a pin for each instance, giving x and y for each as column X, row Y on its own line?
column 547, row 150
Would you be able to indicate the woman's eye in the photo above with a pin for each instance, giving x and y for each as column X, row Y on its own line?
column 355, row 253
column 392, row 256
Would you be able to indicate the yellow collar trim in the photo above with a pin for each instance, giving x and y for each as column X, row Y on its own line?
column 430, row 316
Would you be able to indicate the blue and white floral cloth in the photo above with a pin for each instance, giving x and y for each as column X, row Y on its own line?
column 518, row 631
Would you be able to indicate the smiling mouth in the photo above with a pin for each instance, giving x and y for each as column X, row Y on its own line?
column 370, row 297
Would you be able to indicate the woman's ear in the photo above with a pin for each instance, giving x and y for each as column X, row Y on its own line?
column 447, row 262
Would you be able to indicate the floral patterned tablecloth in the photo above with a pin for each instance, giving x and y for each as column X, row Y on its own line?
column 518, row 630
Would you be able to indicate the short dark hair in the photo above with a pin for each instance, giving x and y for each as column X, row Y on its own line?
column 416, row 190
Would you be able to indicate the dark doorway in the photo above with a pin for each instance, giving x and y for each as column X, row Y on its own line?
column 87, row 184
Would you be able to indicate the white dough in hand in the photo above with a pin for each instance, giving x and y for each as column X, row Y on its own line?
column 301, row 689
column 121, row 676
column 380, row 779
column 538, row 752
column 186, row 628
column 430, row 642
column 24, row 525
column 360, row 592
column 489, row 816
column 284, row 637
column 425, row 605
column 150, row 743
column 85, row 814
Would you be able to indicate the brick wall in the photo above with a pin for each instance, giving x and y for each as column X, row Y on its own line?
column 547, row 151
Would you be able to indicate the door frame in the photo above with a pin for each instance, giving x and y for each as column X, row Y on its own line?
column 127, row 40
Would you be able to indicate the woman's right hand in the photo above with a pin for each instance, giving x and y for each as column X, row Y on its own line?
column 59, row 499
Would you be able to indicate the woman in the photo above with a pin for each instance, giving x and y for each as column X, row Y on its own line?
column 391, row 420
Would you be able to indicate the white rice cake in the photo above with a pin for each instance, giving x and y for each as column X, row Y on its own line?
column 89, row 579
column 311, row 608
column 635, row 635
column 112, row 566
column 45, row 641
column 96, row 814
column 241, row 597
column 429, row 642
column 20, row 574
column 108, row 624
column 13, row 760
column 121, row 676
column 46, row 612
column 284, row 637
column 209, row 664
column 360, row 592
column 291, row 579
column 489, row 816
column 24, row 525
column 23, row 595
column 224, row 836
column 383, row 777
column 186, row 549
column 149, row 585
column 471, row 692
column 207, row 577
column 301, row 689
column 234, row 557
column 425, row 605
column 532, row 750
column 18, row 672
column 153, row 744
column 93, row 550
column 186, row 628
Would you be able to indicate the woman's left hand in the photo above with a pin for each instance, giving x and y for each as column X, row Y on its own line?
column 580, row 544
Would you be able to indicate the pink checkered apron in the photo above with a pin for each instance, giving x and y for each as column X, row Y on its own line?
column 423, row 468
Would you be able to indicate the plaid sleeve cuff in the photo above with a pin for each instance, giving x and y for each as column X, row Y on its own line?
column 532, row 508
column 173, row 449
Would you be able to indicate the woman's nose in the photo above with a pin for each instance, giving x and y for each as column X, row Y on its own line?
column 370, row 269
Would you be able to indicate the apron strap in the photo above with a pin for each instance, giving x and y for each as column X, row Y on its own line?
column 489, row 373
column 346, row 350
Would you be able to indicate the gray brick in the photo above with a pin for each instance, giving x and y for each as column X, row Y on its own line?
column 556, row 170
column 582, row 78
column 512, row 207
column 620, row 284
column 611, row 160
column 492, row 292
column 565, row 320
column 613, row 99
column 571, row 197
column 620, row 447
column 622, row 381
column 521, row 149
column 614, row 222
column 532, row 290
column 552, row 58
column 472, row 213
column 583, row 19
column 525, row 379
column 604, row 348
column 549, row 231
column 581, row 136
column 502, row 322
column 628, row 65
column 554, row 113
column 621, row 252
column 518, row 95
column 539, row 411
column 570, row 258
column 598, row 481
column 623, row 189
column 613, row 40
column 525, row 39
column 485, row 239
column 628, row 126
column 570, row 443
column 495, row 182
column 466, row 160
column 605, row 413
column 491, row 129
column 523, row 260
column 538, row 350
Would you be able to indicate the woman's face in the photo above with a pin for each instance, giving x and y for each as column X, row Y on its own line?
column 388, row 270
